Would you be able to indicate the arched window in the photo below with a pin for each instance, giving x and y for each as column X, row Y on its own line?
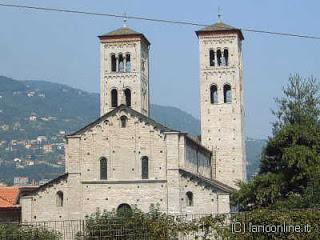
column 213, row 94
column 145, row 167
column 123, row 121
column 59, row 199
column 124, row 209
column 128, row 63
column 127, row 94
column 113, row 63
column 114, row 98
column 103, row 168
column 227, row 95
column 226, row 56
column 121, row 63
column 211, row 57
column 219, row 57
column 189, row 196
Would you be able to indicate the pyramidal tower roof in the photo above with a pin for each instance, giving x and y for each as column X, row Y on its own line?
column 219, row 28
column 123, row 32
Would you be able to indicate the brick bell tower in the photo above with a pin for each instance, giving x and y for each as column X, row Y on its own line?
column 222, row 100
column 124, row 72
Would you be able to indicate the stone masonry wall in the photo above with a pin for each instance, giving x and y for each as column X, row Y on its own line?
column 222, row 124
column 137, row 80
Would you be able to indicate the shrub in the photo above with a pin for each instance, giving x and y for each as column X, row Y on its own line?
column 155, row 225
column 15, row 231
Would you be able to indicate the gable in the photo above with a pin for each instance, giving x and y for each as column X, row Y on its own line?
column 122, row 109
column 49, row 184
column 122, row 147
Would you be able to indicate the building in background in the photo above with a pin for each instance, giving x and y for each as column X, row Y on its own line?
column 20, row 181
column 10, row 210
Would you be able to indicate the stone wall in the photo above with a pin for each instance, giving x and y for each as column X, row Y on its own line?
column 206, row 200
column 198, row 159
column 122, row 147
column 222, row 124
column 42, row 205
column 85, row 192
column 109, row 195
column 137, row 80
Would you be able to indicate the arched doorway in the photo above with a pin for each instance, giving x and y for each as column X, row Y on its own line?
column 124, row 209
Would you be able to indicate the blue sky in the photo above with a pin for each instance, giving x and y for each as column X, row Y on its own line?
column 64, row 48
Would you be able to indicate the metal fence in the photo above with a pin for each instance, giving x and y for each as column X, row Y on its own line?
column 71, row 230
column 79, row 230
column 116, row 233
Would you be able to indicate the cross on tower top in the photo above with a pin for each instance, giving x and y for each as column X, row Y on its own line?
column 219, row 15
column 125, row 20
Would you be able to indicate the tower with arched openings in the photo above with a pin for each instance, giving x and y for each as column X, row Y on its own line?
column 124, row 70
column 222, row 100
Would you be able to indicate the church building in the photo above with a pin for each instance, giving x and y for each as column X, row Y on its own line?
column 125, row 159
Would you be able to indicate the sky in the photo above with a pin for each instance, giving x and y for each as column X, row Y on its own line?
column 64, row 48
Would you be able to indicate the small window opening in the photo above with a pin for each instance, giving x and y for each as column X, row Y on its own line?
column 226, row 57
column 128, row 63
column 123, row 121
column 227, row 95
column 59, row 199
column 121, row 63
column 113, row 63
column 213, row 94
column 145, row 167
column 211, row 57
column 127, row 94
column 103, row 168
column 114, row 98
column 189, row 199
column 219, row 57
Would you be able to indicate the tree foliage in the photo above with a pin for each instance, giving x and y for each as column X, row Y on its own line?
column 289, row 172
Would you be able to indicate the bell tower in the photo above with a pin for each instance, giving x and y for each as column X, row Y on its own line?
column 222, row 100
column 124, row 70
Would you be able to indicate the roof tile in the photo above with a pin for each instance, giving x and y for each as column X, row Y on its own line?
column 220, row 27
column 8, row 196
column 121, row 31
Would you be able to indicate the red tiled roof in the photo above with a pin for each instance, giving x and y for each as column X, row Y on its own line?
column 8, row 197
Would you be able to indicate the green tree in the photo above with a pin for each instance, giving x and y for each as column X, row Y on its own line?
column 289, row 171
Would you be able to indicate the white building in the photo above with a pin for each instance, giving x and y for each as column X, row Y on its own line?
column 125, row 159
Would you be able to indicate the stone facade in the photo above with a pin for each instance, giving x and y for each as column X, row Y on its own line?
column 126, row 158
column 124, row 65
column 222, row 110
column 172, row 172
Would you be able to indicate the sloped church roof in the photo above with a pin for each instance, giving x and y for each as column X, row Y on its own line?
column 220, row 27
column 206, row 181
